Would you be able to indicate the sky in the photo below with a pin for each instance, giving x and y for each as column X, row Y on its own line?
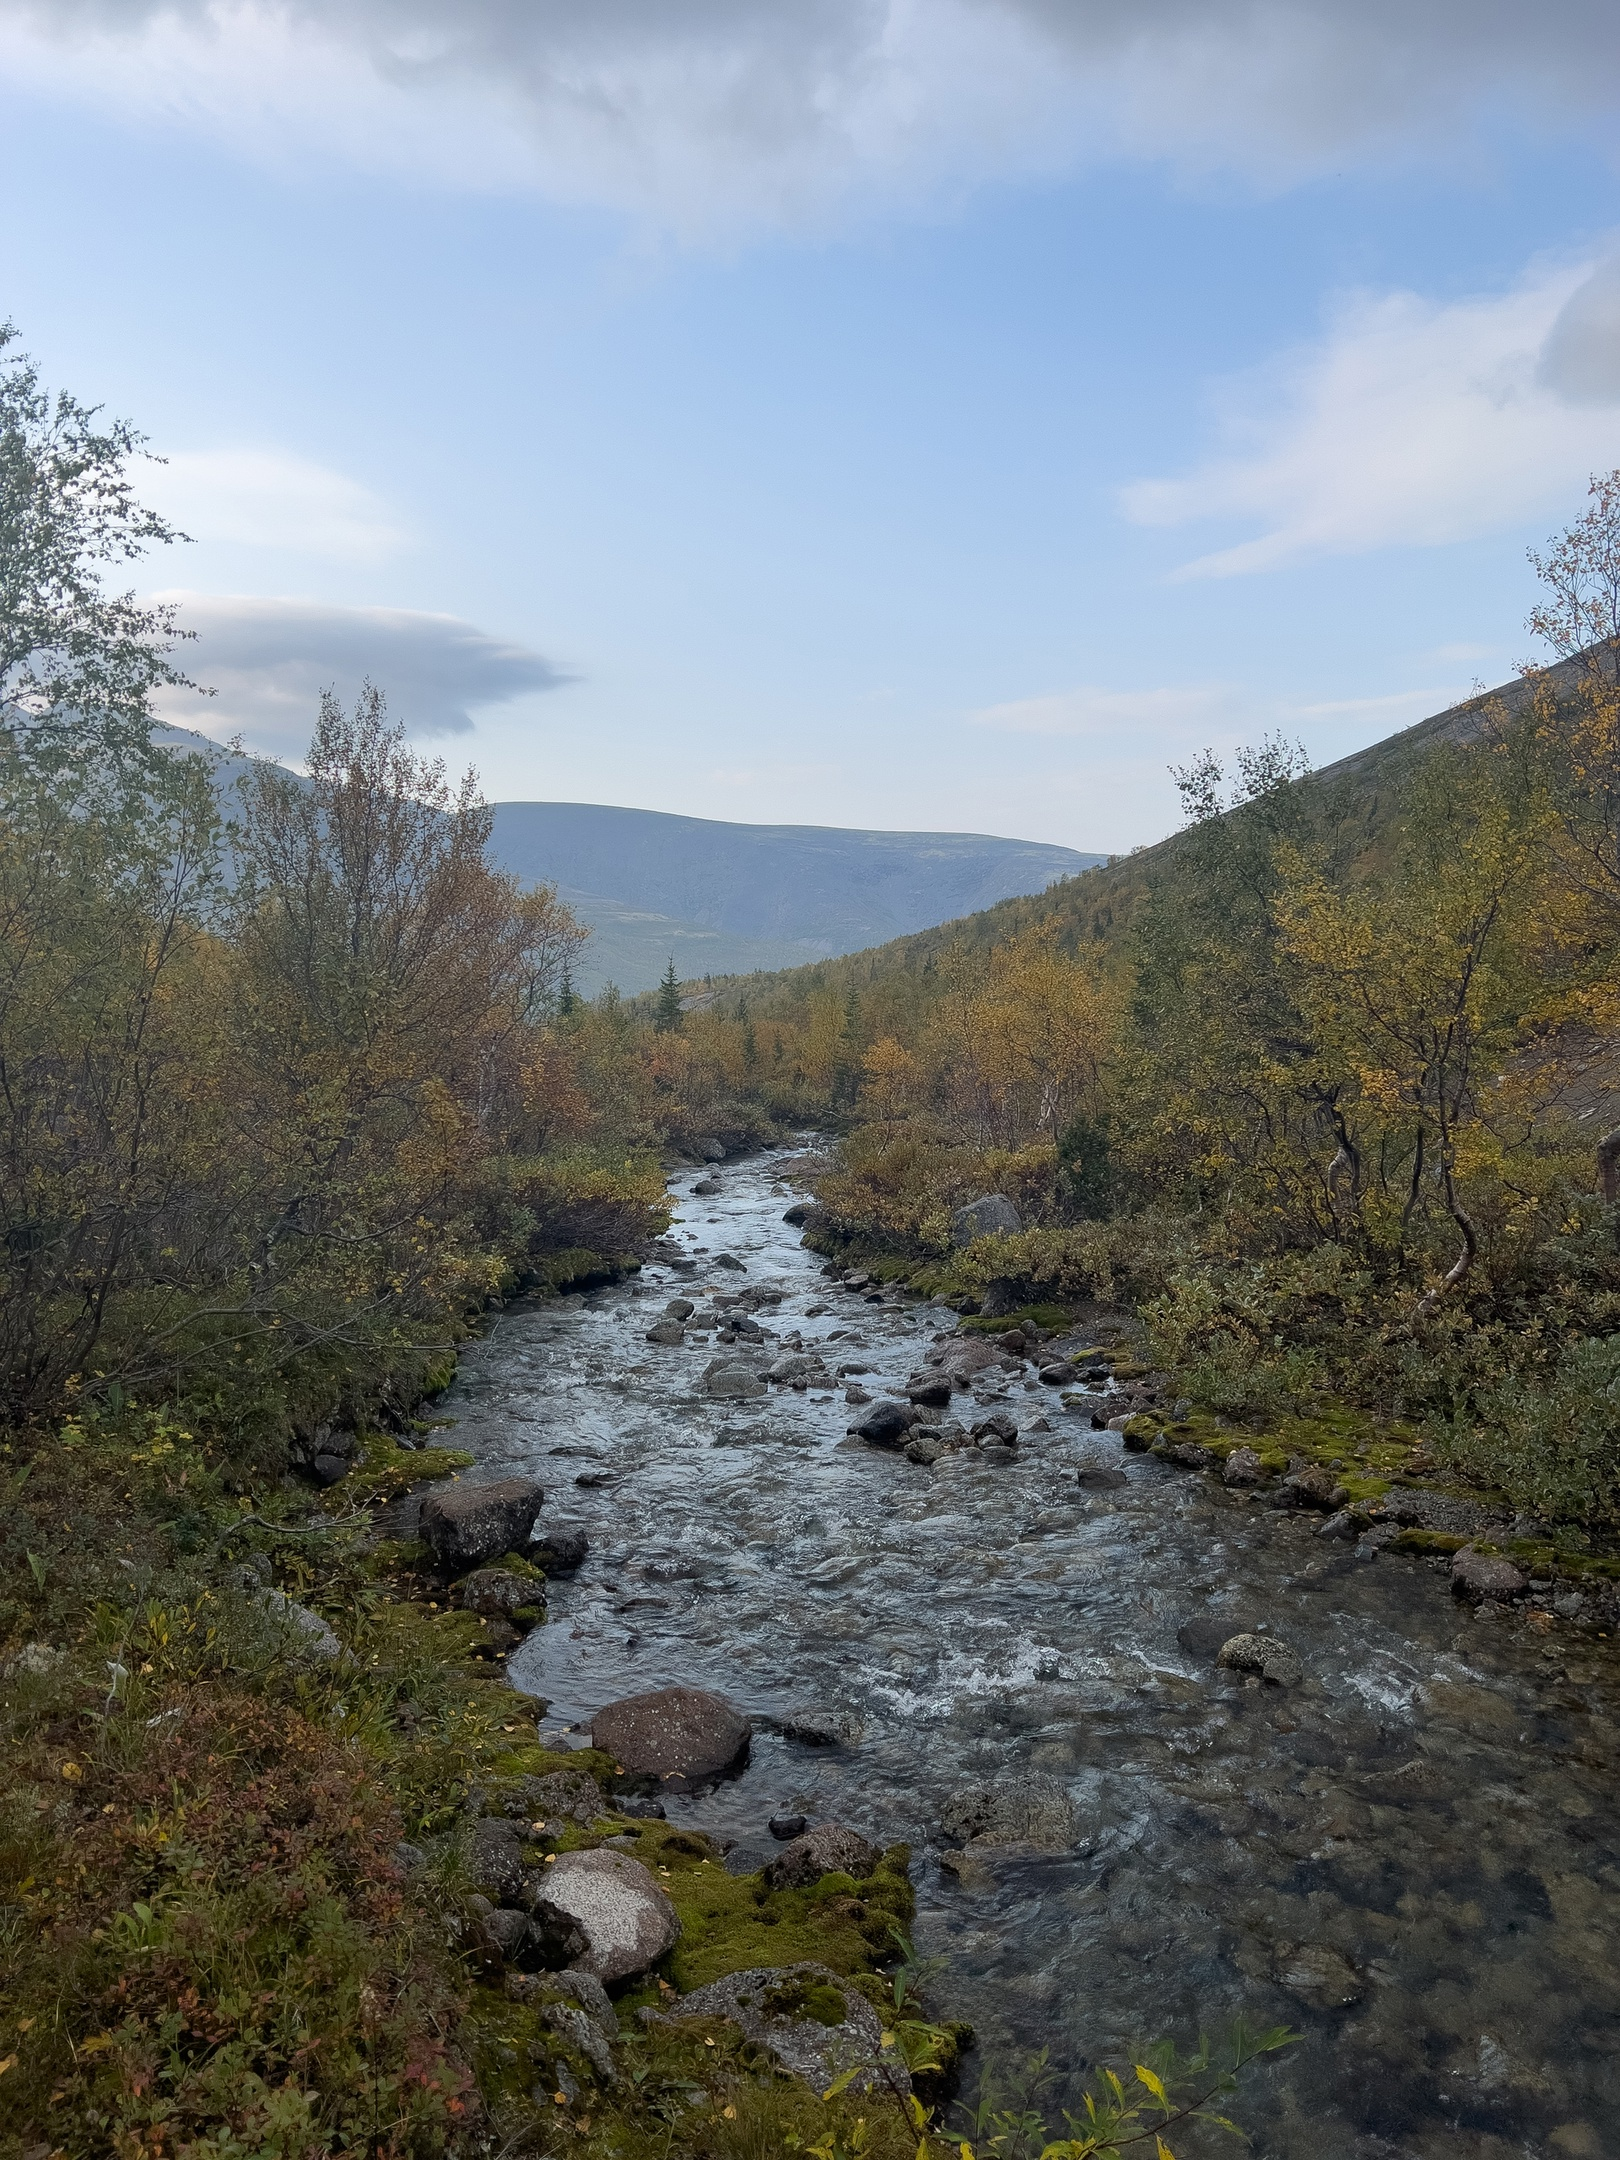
column 917, row 414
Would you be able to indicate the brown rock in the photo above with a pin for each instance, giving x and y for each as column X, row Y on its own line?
column 673, row 1732
column 829, row 1849
column 1483, row 1575
column 1242, row 1467
column 468, row 1524
column 1315, row 1487
column 1264, row 1656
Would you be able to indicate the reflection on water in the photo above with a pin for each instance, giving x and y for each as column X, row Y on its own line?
column 1412, row 1858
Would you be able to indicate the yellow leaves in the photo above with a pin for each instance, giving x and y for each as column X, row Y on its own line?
column 1154, row 2083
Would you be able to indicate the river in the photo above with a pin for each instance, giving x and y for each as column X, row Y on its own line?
column 1411, row 1857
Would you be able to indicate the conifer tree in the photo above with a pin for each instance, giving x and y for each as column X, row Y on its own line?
column 668, row 1018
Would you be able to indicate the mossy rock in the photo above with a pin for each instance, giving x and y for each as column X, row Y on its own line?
column 1428, row 1541
column 385, row 1470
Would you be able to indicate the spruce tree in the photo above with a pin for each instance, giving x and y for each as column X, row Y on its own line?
column 667, row 1015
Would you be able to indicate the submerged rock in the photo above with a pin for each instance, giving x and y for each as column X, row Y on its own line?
column 673, row 1732
column 561, row 1550
column 1034, row 1810
column 628, row 1923
column 818, row 1726
column 468, row 1524
column 667, row 1333
column 1262, row 1655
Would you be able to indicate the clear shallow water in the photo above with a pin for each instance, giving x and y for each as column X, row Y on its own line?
column 1428, row 1825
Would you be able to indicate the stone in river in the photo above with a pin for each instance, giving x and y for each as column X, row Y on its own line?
column 729, row 1260
column 783, row 1827
column 1057, row 1375
column 1264, row 1656
column 886, row 1424
column 561, row 1550
column 1242, row 1468
column 1480, row 1575
column 707, row 1185
column 666, row 1332
column 829, row 1849
column 1033, row 1810
column 729, row 1380
column 818, row 1726
column 627, row 1921
column 468, row 1524
column 1098, row 1477
column 999, row 1425
column 933, row 1390
column 1317, row 1974
column 673, row 1732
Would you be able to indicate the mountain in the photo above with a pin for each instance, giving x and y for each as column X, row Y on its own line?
column 1358, row 795
column 727, row 899
column 723, row 899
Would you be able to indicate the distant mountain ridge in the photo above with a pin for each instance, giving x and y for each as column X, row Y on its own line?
column 729, row 899
column 726, row 899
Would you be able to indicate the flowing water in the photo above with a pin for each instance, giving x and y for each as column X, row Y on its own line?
column 1412, row 1858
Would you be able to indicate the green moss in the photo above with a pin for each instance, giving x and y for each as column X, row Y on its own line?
column 807, row 1997
column 1427, row 1541
column 386, row 1470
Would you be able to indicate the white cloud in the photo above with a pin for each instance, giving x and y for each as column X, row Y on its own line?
column 268, row 660
column 1412, row 423
column 707, row 115
column 274, row 499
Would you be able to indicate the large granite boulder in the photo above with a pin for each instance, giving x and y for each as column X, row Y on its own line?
column 829, row 1849
column 674, row 1732
column 627, row 1921
column 467, row 1525
column 986, row 1217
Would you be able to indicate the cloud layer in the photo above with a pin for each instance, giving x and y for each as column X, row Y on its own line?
column 726, row 114
column 269, row 660
column 1412, row 422
column 274, row 499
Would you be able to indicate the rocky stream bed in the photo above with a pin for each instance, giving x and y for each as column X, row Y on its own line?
column 1402, row 1842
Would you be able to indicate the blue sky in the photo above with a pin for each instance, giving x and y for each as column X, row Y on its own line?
column 942, row 414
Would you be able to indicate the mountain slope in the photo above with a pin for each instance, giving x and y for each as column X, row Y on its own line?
column 724, row 899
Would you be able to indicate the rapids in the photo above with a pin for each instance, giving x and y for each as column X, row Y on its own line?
column 1412, row 1858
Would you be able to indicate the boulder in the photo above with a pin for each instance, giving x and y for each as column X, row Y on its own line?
column 1242, row 1468
column 932, row 1390
column 733, row 1379
column 707, row 1186
column 1001, row 1296
column 999, row 1425
column 500, row 1932
column 886, row 1424
column 989, row 1216
column 785, row 1827
column 817, row 2026
column 1035, row 1810
column 673, row 1732
column 1315, row 1487
column 1263, row 1656
column 499, row 1594
column 797, row 1215
column 468, row 1524
column 561, row 1550
column 1480, row 1576
column 829, row 1849
column 1057, row 1375
column 731, row 1262
column 667, row 1333
column 708, row 1149
column 615, row 1903
column 964, row 1355
column 679, row 1308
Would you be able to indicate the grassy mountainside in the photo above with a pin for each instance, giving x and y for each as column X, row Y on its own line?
column 1357, row 799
